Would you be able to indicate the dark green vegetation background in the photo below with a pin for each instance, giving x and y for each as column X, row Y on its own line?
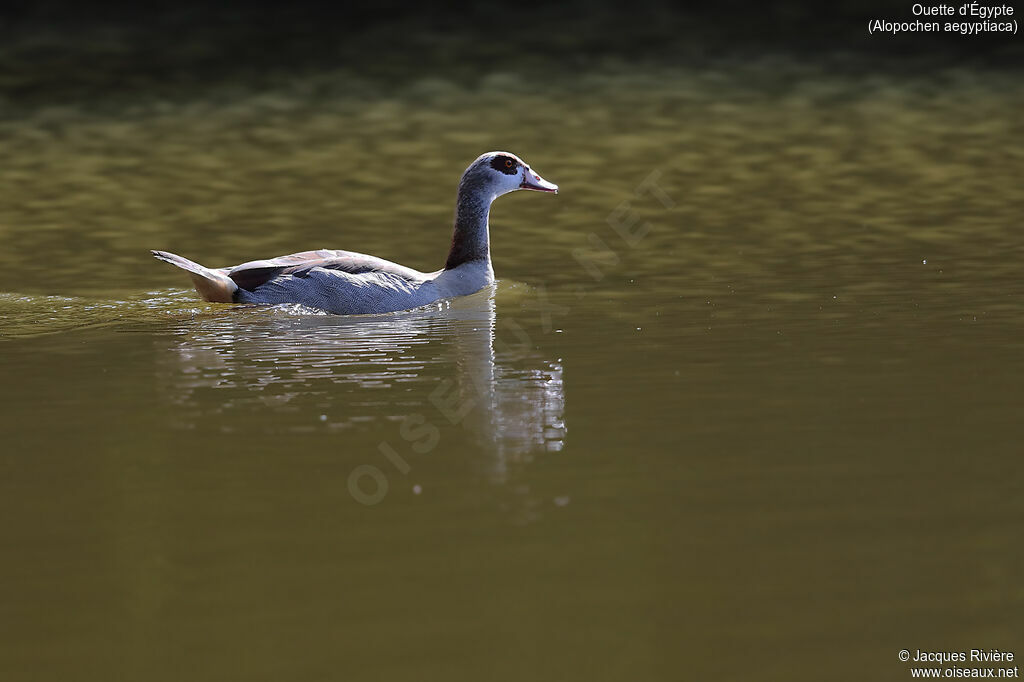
column 55, row 52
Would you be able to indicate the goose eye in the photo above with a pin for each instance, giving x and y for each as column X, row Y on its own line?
column 504, row 164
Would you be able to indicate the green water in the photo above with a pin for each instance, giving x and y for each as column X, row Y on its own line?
column 771, row 426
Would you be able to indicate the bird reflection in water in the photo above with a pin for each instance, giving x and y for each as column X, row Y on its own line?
column 454, row 364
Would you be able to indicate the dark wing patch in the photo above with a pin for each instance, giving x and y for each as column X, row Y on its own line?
column 250, row 278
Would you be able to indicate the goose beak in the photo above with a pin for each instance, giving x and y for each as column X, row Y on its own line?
column 535, row 182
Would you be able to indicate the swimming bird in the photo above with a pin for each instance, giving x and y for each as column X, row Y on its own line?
column 350, row 283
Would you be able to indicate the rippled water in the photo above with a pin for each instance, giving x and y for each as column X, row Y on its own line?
column 747, row 396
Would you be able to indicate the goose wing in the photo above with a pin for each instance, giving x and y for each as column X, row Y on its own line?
column 255, row 273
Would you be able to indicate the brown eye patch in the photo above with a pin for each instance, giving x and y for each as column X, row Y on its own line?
column 505, row 164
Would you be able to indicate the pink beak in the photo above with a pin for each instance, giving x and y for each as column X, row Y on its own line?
column 535, row 182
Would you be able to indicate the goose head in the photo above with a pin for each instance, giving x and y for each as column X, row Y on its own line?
column 486, row 179
column 498, row 173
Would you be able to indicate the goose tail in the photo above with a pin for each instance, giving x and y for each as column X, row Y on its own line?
column 212, row 285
